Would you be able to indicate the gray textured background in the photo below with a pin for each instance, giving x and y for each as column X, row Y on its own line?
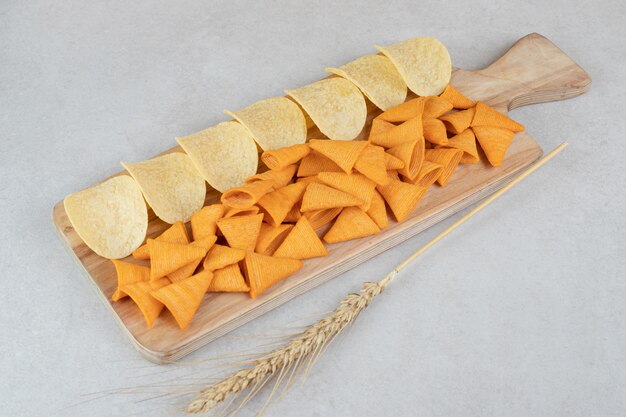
column 519, row 313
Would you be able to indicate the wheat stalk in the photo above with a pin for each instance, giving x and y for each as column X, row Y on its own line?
column 311, row 343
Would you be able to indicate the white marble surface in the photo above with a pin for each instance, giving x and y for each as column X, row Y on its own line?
column 520, row 313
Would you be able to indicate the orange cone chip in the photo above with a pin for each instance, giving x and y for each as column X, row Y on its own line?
column 140, row 293
column 405, row 111
column 488, row 116
column 428, row 174
column 412, row 155
column 166, row 257
column 281, row 158
column 128, row 273
column 314, row 163
column 435, row 131
column 466, row 142
column 459, row 121
column 228, row 279
column 435, row 107
column 308, row 180
column 184, row 272
column 449, row 158
column 402, row 197
column 392, row 163
column 320, row 196
column 378, row 211
column 277, row 204
column 231, row 211
column 352, row 223
column 270, row 237
column 247, row 195
column 343, row 153
column 241, row 232
column 458, row 100
column 294, row 214
column 494, row 141
column 408, row 131
column 301, row 243
column 183, row 298
column 280, row 178
column 176, row 233
column 355, row 184
column 320, row 218
column 371, row 163
column 379, row 126
column 221, row 256
column 264, row 271
column 204, row 222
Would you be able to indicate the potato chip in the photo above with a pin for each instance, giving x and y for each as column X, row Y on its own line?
column 377, row 78
column 435, row 107
column 183, row 298
column 270, row 237
column 411, row 154
column 204, row 222
column 139, row 292
column 494, row 141
column 449, row 158
column 454, row 97
column 314, row 163
column 320, row 218
column 408, row 131
column 280, row 178
column 228, row 279
column 225, row 154
column 301, row 243
column 128, row 273
column 111, row 217
column 320, row 197
column 264, row 271
column 241, row 232
column 171, row 186
column 435, row 131
column 166, row 257
column 488, row 116
column 424, row 63
column 335, row 105
column 459, row 121
column 378, row 210
column 247, row 195
column 466, row 142
column 408, row 110
column 176, row 233
column 429, row 172
column 274, row 123
column 344, row 154
column 355, row 184
column 281, row 158
column 220, row 256
column 371, row 163
column 277, row 204
column 402, row 198
column 352, row 223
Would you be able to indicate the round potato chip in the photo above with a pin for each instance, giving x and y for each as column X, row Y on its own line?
column 171, row 186
column 111, row 217
column 377, row 78
column 424, row 63
column 274, row 123
column 335, row 105
column 224, row 154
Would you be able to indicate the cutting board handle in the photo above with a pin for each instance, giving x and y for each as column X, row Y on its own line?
column 533, row 71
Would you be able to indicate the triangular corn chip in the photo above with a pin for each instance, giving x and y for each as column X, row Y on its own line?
column 270, row 237
column 352, row 223
column 378, row 211
column 405, row 111
column 308, row 180
column 183, row 298
column 166, row 257
column 221, row 256
column 140, row 293
column 301, row 243
column 449, row 158
column 494, row 141
column 176, row 233
column 355, row 184
column 428, row 174
column 281, row 158
column 247, row 195
column 320, row 196
column 186, row 271
column 228, row 279
column 379, row 126
column 231, row 211
column 204, row 222
column 277, row 204
column 459, row 121
column 393, row 175
column 435, row 131
column 294, row 214
column 402, row 197
column 408, row 131
column 393, row 163
column 435, row 107
column 343, row 153
column 263, row 271
column 128, row 273
column 320, row 218
column 241, row 232
column 280, row 178
column 466, row 142
column 314, row 163
column 488, row 116
column 412, row 155
column 371, row 163
column 458, row 100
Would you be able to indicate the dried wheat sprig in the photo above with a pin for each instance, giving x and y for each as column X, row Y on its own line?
column 313, row 340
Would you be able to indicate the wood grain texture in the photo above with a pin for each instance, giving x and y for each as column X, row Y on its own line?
column 534, row 70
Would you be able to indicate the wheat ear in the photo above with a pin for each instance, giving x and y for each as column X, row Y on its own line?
column 312, row 341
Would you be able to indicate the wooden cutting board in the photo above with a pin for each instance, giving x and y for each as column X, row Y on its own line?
column 534, row 70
